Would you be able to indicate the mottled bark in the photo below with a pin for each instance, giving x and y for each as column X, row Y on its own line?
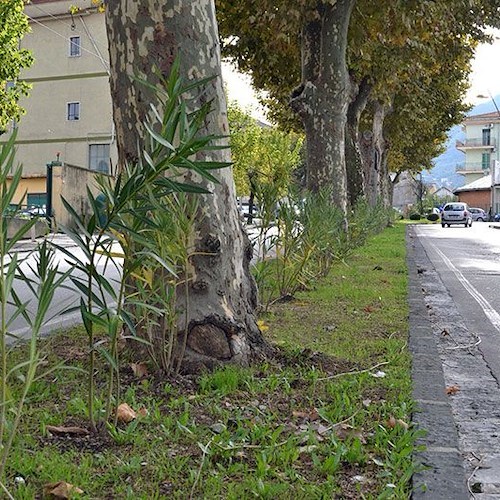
column 354, row 160
column 222, row 294
column 322, row 99
column 375, row 153
column 372, row 152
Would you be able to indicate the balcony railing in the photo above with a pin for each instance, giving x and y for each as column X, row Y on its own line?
column 471, row 167
column 476, row 143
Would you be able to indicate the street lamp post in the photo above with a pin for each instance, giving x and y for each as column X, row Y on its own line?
column 48, row 208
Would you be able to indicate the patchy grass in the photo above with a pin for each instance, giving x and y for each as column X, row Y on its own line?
column 326, row 418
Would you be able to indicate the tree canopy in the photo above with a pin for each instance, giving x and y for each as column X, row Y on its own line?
column 414, row 56
column 13, row 25
column 261, row 154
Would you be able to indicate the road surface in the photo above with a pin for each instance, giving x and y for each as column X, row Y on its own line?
column 63, row 297
column 468, row 262
column 459, row 271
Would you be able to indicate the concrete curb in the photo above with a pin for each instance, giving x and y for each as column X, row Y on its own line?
column 443, row 476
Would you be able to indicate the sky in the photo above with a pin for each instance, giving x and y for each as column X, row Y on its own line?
column 239, row 88
column 484, row 80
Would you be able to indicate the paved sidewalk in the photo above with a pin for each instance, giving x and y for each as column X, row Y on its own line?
column 444, row 475
column 458, row 395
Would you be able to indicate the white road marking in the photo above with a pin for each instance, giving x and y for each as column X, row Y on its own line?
column 491, row 313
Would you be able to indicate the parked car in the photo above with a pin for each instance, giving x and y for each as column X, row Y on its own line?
column 456, row 213
column 478, row 214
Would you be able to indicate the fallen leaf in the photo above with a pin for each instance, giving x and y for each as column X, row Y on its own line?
column 344, row 431
column 61, row 490
column 143, row 412
column 309, row 415
column 262, row 325
column 75, row 431
column 125, row 414
column 140, row 369
column 391, row 422
column 379, row 374
column 368, row 309
column 452, row 389
column 445, row 332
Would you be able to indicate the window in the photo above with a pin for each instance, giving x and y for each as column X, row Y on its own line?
column 37, row 200
column 75, row 48
column 99, row 158
column 486, row 160
column 486, row 137
column 73, row 111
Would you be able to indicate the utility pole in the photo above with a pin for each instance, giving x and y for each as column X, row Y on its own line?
column 49, row 189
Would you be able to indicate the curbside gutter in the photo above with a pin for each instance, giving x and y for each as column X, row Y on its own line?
column 443, row 476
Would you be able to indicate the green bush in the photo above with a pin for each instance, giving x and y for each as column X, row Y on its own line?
column 433, row 217
column 415, row 216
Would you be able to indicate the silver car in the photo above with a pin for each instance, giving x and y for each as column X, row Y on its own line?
column 456, row 213
column 478, row 214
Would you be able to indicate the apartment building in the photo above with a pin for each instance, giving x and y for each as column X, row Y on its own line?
column 482, row 155
column 69, row 110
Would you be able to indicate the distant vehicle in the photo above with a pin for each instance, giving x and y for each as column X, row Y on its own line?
column 456, row 213
column 478, row 214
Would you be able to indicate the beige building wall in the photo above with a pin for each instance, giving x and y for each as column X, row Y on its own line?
column 31, row 185
column 71, row 183
column 58, row 78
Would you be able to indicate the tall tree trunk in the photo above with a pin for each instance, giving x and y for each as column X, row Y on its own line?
column 384, row 182
column 374, row 154
column 354, row 161
column 322, row 99
column 222, row 295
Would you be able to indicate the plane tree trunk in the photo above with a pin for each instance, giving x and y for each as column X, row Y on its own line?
column 142, row 34
column 356, row 188
column 321, row 101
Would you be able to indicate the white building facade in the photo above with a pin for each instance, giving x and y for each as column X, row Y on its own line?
column 482, row 156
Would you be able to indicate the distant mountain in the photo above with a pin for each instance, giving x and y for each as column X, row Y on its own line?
column 443, row 173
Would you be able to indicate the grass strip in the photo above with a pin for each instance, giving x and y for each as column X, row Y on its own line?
column 328, row 417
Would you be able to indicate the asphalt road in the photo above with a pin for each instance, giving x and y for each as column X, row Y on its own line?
column 458, row 271
column 468, row 262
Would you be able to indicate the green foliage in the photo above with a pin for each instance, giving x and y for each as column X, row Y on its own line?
column 433, row 217
column 264, row 157
column 306, row 237
column 415, row 216
column 40, row 280
column 144, row 216
column 13, row 25
column 299, row 426
column 418, row 63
